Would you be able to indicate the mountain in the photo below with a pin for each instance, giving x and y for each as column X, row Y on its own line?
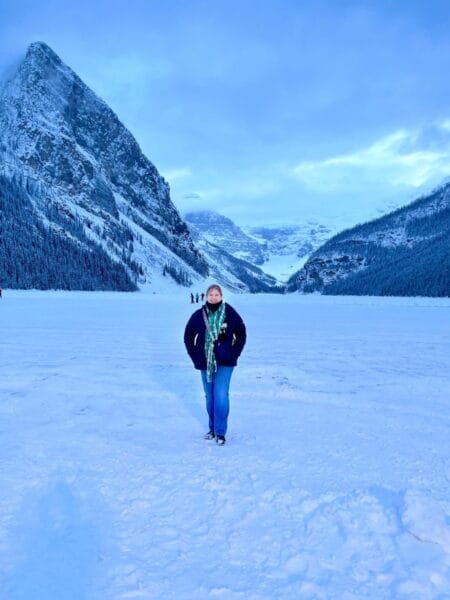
column 278, row 250
column 300, row 240
column 36, row 256
column 288, row 247
column 222, row 232
column 404, row 253
column 80, row 181
column 235, row 273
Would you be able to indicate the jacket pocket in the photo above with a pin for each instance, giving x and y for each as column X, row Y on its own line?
column 224, row 353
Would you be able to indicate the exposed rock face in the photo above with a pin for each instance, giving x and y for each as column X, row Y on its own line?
column 297, row 240
column 235, row 273
column 276, row 250
column 403, row 253
column 72, row 152
column 222, row 232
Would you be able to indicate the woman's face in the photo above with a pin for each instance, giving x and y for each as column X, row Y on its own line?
column 214, row 296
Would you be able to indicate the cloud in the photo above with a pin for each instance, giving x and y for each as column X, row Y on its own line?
column 403, row 159
column 175, row 175
column 9, row 63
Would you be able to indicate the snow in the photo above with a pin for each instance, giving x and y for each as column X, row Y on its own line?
column 283, row 266
column 34, row 121
column 334, row 482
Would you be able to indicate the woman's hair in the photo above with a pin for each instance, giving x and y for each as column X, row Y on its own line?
column 214, row 286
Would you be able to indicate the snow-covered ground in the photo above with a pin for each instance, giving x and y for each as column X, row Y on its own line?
column 283, row 266
column 334, row 483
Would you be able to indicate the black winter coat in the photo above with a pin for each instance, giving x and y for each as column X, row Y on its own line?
column 228, row 346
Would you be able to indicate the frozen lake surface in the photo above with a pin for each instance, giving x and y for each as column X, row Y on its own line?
column 334, row 483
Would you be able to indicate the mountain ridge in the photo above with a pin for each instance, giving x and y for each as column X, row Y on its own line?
column 406, row 252
column 275, row 249
column 73, row 152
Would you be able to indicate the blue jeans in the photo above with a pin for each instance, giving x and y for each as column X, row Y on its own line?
column 217, row 399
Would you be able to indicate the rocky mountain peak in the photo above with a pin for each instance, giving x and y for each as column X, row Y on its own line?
column 223, row 232
column 41, row 54
column 66, row 143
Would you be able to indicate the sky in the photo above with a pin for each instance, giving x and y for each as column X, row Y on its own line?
column 267, row 111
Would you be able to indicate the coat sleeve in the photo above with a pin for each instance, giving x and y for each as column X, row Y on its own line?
column 240, row 332
column 189, row 335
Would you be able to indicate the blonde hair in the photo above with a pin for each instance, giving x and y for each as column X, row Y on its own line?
column 214, row 286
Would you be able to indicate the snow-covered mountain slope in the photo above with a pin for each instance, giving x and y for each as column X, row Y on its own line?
column 222, row 232
column 288, row 247
column 292, row 239
column 403, row 253
column 235, row 273
column 77, row 162
column 278, row 250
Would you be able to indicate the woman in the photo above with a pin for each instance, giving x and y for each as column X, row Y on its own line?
column 214, row 338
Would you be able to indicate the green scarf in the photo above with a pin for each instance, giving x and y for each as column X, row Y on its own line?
column 215, row 322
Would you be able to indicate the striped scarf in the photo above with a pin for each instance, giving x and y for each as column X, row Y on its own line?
column 215, row 322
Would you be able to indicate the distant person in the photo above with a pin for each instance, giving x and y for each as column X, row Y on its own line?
column 202, row 296
column 214, row 338
column 196, row 298
column 192, row 298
